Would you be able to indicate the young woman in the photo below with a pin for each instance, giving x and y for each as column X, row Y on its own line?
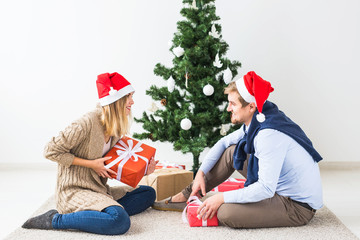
column 84, row 201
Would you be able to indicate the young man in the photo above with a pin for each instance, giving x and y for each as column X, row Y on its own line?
column 283, row 186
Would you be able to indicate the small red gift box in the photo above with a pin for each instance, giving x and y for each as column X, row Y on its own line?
column 162, row 165
column 190, row 216
column 230, row 184
column 130, row 159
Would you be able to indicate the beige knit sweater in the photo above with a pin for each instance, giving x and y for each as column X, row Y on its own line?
column 80, row 188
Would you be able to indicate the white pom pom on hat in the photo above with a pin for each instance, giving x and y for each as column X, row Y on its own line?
column 253, row 88
column 111, row 87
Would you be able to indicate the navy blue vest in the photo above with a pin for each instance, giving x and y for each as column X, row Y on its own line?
column 275, row 119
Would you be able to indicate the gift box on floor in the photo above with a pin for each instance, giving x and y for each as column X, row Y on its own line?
column 190, row 215
column 164, row 164
column 130, row 159
column 230, row 184
column 168, row 181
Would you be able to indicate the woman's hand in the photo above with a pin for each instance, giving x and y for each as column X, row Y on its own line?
column 98, row 165
column 151, row 166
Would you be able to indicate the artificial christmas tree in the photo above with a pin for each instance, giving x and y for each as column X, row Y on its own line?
column 194, row 114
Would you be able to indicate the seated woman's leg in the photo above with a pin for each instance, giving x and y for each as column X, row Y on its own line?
column 113, row 220
column 138, row 200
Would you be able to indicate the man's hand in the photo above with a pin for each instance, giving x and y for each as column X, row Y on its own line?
column 151, row 166
column 198, row 185
column 98, row 165
column 210, row 206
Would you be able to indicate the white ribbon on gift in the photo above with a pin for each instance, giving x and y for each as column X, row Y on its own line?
column 193, row 201
column 165, row 164
column 125, row 153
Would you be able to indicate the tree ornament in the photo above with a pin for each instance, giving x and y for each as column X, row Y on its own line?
column 151, row 137
column 213, row 32
column 153, row 107
column 208, row 90
column 193, row 5
column 163, row 102
column 217, row 63
column 178, row 51
column 224, row 129
column 227, row 76
column 171, row 84
column 185, row 124
column 186, row 79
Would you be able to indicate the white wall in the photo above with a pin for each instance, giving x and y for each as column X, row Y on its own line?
column 52, row 51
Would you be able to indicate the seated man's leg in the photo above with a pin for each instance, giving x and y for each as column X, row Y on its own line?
column 218, row 174
column 277, row 211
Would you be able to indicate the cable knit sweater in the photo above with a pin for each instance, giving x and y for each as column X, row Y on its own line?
column 80, row 188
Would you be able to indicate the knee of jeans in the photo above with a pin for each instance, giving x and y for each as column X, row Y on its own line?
column 151, row 194
column 121, row 222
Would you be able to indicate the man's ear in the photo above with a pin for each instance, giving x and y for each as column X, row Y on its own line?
column 252, row 107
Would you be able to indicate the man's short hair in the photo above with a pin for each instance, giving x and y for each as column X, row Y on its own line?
column 232, row 88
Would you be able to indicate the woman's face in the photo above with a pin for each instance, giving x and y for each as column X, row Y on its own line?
column 129, row 103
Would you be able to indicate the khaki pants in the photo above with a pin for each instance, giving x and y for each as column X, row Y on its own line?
column 277, row 211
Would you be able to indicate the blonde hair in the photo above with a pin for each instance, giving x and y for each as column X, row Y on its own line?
column 114, row 118
column 232, row 88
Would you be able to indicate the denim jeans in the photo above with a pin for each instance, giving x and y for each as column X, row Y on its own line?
column 113, row 220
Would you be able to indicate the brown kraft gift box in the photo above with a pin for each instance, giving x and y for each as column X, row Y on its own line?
column 167, row 181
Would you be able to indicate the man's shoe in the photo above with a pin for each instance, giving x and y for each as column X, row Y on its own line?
column 168, row 205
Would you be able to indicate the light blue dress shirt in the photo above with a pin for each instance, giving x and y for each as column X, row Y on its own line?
column 285, row 168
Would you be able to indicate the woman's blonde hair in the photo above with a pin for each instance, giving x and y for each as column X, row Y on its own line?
column 114, row 118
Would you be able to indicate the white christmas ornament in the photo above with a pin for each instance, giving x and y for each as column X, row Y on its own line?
column 227, row 76
column 208, row 90
column 213, row 32
column 224, row 129
column 193, row 5
column 171, row 84
column 217, row 63
column 178, row 51
column 185, row 124
column 153, row 107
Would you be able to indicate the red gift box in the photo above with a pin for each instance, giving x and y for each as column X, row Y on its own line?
column 190, row 216
column 230, row 184
column 162, row 165
column 130, row 159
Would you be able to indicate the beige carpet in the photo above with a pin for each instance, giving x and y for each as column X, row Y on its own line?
column 153, row 224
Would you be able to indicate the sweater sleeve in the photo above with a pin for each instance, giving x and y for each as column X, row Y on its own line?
column 59, row 148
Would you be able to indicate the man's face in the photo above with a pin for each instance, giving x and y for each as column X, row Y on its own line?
column 239, row 114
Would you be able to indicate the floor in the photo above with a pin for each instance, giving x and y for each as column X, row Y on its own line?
column 25, row 188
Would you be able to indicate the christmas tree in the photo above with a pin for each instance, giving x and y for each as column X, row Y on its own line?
column 194, row 114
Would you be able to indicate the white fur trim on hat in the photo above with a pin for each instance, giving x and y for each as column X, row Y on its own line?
column 116, row 95
column 244, row 93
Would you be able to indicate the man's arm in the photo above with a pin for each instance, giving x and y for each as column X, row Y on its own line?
column 217, row 150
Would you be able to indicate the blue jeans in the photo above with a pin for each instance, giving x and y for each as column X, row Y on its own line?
column 113, row 220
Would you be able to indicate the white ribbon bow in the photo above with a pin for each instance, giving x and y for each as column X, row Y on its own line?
column 193, row 201
column 125, row 153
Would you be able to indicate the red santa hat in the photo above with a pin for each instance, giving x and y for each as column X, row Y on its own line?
column 253, row 88
column 111, row 87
